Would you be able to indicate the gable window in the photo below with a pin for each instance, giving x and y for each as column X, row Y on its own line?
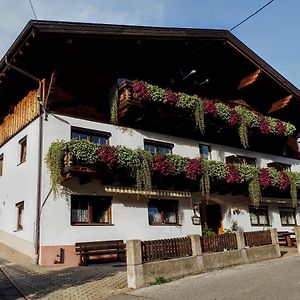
column 279, row 166
column 163, row 212
column 287, row 216
column 239, row 159
column 100, row 138
column 90, row 210
column 23, row 149
column 20, row 207
column 204, row 151
column 155, row 147
column 259, row 216
column 1, row 164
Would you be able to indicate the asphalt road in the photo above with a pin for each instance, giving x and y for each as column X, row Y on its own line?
column 7, row 290
column 273, row 279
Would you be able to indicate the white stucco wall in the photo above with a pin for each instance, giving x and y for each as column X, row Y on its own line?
column 18, row 183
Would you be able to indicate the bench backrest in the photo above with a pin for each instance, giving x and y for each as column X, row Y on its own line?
column 100, row 245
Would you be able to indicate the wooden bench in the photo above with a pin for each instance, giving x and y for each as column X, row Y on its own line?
column 286, row 238
column 101, row 250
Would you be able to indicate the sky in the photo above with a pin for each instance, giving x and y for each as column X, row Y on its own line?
column 273, row 33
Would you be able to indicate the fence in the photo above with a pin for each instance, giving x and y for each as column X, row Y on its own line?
column 257, row 238
column 166, row 249
column 219, row 243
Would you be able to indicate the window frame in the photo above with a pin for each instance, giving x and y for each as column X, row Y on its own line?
column 162, row 212
column 279, row 166
column 89, row 199
column 1, row 164
column 90, row 133
column 23, row 150
column 286, row 210
column 157, row 144
column 254, row 210
column 209, row 151
column 20, row 214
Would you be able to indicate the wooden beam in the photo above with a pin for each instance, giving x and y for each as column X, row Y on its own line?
column 249, row 79
column 280, row 104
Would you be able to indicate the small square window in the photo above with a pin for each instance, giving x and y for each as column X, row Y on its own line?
column 259, row 216
column 23, row 149
column 100, row 138
column 204, row 151
column 155, row 147
column 163, row 212
column 1, row 164
column 90, row 210
column 20, row 207
column 287, row 216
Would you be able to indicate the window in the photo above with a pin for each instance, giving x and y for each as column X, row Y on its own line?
column 23, row 149
column 239, row 159
column 154, row 147
column 20, row 207
column 259, row 216
column 204, row 151
column 163, row 212
column 279, row 166
column 287, row 216
column 90, row 210
column 96, row 137
column 1, row 164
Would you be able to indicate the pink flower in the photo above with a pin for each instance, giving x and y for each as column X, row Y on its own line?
column 140, row 91
column 162, row 165
column 264, row 178
column 264, row 126
column 108, row 155
column 234, row 117
column 210, row 108
column 171, row 97
column 232, row 174
column 193, row 169
column 280, row 128
column 284, row 181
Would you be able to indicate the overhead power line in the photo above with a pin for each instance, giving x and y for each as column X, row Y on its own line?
column 33, row 11
column 256, row 12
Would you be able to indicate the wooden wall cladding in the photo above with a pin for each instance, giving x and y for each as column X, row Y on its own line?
column 23, row 113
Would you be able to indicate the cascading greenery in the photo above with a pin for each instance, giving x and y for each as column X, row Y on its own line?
column 141, row 165
column 114, row 104
column 199, row 114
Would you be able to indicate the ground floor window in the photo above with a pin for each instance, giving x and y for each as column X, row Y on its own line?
column 20, row 207
column 90, row 210
column 287, row 216
column 163, row 212
column 259, row 216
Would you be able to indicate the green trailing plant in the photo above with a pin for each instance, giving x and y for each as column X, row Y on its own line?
column 143, row 170
column 216, row 169
column 204, row 181
column 254, row 190
column 114, row 105
column 179, row 163
column 161, row 280
column 157, row 93
column 199, row 113
column 293, row 187
column 54, row 162
column 223, row 111
column 83, row 150
column 208, row 232
column 186, row 102
column 243, row 127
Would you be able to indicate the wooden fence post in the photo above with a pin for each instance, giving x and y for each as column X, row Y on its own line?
column 135, row 271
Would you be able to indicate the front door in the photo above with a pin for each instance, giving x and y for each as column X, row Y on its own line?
column 212, row 218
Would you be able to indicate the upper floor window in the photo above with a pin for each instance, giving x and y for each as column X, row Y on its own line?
column 287, row 216
column 1, row 164
column 205, row 151
column 259, row 216
column 155, row 147
column 279, row 166
column 163, row 212
column 96, row 137
column 20, row 207
column 239, row 159
column 23, row 149
column 90, row 210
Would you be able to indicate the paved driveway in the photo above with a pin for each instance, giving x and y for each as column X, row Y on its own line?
column 35, row 282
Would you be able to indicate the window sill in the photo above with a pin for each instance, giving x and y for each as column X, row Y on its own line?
column 261, row 225
column 21, row 163
column 288, row 225
column 18, row 230
column 93, row 224
column 162, row 224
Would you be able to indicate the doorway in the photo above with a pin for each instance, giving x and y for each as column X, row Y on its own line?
column 211, row 217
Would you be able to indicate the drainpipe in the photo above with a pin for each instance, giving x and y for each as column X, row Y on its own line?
column 40, row 151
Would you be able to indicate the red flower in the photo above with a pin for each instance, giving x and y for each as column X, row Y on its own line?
column 264, row 126
column 284, row 181
column 162, row 165
column 140, row 91
column 108, row 155
column 280, row 128
column 234, row 117
column 193, row 169
column 210, row 108
column 264, row 178
column 232, row 174
column 171, row 97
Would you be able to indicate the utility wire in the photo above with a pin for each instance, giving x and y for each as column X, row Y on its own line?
column 33, row 11
column 256, row 12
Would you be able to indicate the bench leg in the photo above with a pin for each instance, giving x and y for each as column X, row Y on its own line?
column 83, row 260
